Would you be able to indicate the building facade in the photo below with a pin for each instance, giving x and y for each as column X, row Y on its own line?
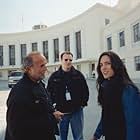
column 98, row 29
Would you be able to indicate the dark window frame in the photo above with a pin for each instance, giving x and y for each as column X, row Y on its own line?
column 109, row 43
column 137, row 63
column 1, row 55
column 45, row 49
column 34, row 46
column 56, row 49
column 23, row 49
column 136, row 32
column 67, row 42
column 78, row 45
column 12, row 55
column 122, row 38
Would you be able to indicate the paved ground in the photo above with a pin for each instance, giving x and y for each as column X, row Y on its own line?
column 92, row 112
column 3, row 97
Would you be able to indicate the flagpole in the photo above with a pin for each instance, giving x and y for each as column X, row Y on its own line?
column 22, row 23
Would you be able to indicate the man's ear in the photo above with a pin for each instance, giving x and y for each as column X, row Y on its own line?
column 27, row 69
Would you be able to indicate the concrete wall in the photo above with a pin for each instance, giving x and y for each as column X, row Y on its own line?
column 94, row 32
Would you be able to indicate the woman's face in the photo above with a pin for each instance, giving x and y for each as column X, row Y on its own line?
column 105, row 67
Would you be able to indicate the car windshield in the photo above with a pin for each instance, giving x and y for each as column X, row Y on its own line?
column 16, row 74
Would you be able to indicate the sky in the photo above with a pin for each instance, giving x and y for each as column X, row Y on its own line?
column 22, row 15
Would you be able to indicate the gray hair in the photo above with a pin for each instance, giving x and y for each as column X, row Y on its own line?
column 28, row 60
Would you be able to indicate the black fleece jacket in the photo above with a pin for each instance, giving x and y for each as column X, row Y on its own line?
column 29, row 112
column 76, row 85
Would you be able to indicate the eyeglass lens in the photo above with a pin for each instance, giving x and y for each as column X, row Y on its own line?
column 68, row 59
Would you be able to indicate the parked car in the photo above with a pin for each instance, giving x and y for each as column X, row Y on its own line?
column 93, row 74
column 14, row 77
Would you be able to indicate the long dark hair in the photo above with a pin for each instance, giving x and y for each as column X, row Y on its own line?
column 118, row 68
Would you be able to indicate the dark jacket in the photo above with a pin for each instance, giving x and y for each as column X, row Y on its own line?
column 76, row 85
column 112, row 110
column 131, row 107
column 29, row 112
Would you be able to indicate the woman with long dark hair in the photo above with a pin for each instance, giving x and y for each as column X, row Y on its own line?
column 119, row 99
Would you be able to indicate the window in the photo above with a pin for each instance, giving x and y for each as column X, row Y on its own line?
column 78, row 67
column 1, row 55
column 137, row 63
column 11, row 54
column 45, row 49
column 93, row 70
column 124, row 62
column 0, row 74
column 23, row 52
column 107, row 21
column 56, row 50
column 122, row 39
column 34, row 46
column 109, row 43
column 93, row 67
column 136, row 30
column 78, row 45
column 67, row 43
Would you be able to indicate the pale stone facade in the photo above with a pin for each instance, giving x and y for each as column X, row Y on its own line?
column 94, row 26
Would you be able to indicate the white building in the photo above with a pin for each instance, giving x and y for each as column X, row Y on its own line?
column 98, row 29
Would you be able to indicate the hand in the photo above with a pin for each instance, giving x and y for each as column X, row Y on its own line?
column 58, row 115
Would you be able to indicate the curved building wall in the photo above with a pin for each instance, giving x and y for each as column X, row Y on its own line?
column 87, row 27
column 88, row 31
column 129, row 25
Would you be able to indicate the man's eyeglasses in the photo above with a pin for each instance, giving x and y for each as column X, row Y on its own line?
column 68, row 59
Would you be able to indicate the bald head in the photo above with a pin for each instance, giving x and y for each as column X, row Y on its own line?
column 34, row 65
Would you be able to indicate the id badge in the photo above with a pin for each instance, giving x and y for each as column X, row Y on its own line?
column 68, row 96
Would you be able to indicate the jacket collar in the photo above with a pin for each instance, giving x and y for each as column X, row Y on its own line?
column 28, row 80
